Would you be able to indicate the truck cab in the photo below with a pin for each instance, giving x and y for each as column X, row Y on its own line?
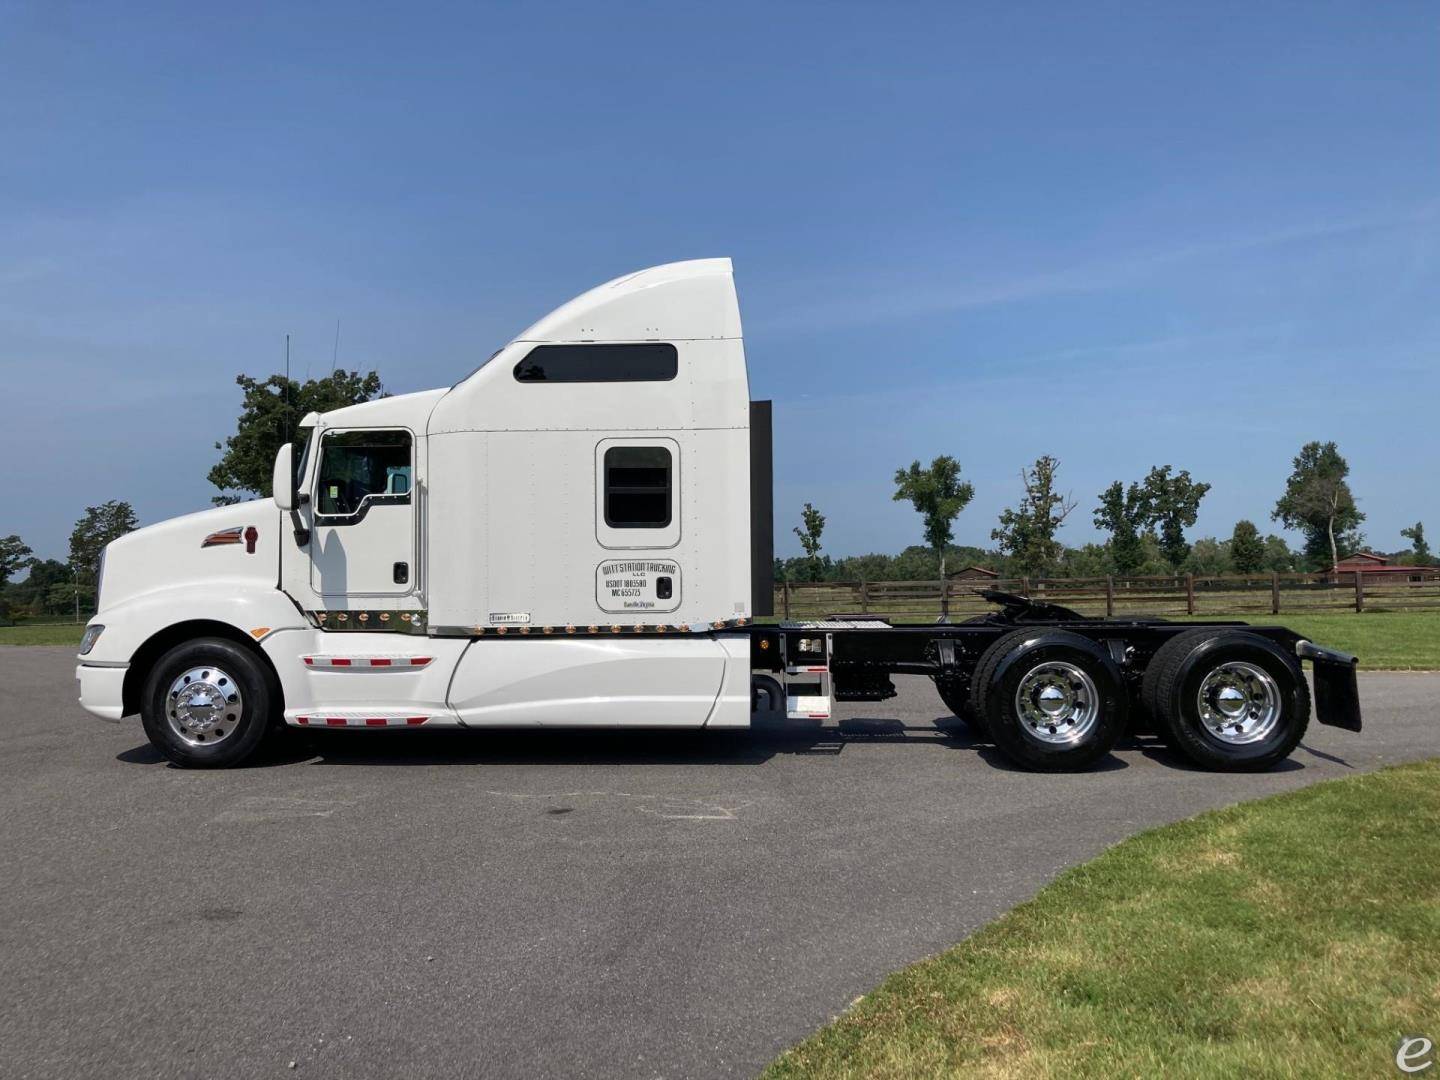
column 557, row 539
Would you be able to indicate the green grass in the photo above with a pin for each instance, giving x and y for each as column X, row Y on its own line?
column 1408, row 640
column 42, row 634
column 1294, row 936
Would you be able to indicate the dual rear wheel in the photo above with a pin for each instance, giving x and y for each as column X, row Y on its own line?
column 1226, row 699
column 1053, row 701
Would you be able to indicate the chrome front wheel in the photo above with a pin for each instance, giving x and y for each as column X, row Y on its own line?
column 208, row 703
column 204, row 706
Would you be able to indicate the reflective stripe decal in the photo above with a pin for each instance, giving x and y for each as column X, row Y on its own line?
column 403, row 663
column 359, row 721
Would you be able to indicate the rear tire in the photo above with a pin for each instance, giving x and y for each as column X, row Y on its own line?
column 1228, row 700
column 1053, row 701
column 208, row 703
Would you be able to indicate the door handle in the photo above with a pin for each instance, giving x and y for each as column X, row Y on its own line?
column 402, row 573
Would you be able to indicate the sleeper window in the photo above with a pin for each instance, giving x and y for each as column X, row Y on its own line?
column 649, row 361
column 637, row 487
column 356, row 465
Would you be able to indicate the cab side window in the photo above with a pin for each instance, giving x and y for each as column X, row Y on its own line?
column 361, row 468
column 637, row 487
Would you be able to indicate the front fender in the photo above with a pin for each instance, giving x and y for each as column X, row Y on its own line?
column 256, row 612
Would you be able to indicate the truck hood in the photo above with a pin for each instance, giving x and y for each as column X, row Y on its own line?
column 204, row 549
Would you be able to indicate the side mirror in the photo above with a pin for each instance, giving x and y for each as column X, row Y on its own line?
column 282, row 483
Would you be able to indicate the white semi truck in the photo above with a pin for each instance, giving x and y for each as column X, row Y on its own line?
column 578, row 534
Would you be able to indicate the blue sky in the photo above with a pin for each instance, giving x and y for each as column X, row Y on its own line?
column 1122, row 234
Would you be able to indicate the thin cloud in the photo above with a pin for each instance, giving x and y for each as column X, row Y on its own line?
column 859, row 307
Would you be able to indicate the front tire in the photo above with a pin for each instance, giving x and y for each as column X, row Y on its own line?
column 1228, row 700
column 1053, row 701
column 207, row 703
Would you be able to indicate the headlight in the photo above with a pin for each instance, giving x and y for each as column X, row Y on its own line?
column 92, row 635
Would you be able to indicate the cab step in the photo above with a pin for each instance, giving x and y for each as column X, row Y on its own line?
column 807, row 706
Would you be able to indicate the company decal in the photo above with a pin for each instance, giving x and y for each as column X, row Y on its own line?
column 623, row 585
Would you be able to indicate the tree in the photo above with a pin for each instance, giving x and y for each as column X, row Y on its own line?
column 15, row 555
column 101, row 524
column 1027, row 534
column 1419, row 547
column 1247, row 550
column 939, row 495
column 34, row 592
column 1208, row 557
column 1174, row 503
column 1318, row 502
column 269, row 417
column 1278, row 555
column 1092, row 560
column 1124, row 514
column 813, row 523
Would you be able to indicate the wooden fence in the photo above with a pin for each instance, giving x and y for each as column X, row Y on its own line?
column 1179, row 594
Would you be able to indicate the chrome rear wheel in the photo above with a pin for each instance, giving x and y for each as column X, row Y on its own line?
column 1050, row 699
column 1227, row 698
column 1057, row 702
column 1239, row 703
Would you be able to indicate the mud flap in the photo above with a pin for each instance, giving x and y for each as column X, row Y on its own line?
column 1337, row 693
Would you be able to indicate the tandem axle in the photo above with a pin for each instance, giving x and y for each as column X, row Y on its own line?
column 1054, row 689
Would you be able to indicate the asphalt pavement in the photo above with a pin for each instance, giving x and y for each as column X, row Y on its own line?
column 541, row 904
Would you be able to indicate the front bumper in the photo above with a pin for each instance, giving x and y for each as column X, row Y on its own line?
column 102, row 689
column 1337, row 691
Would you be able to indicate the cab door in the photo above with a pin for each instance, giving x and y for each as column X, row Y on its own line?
column 362, row 541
